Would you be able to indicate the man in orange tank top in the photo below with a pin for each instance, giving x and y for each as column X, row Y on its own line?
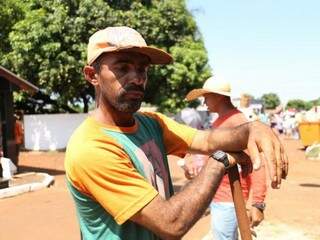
column 223, row 218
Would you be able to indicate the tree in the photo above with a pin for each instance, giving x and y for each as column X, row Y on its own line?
column 270, row 100
column 11, row 12
column 49, row 48
column 299, row 104
column 315, row 102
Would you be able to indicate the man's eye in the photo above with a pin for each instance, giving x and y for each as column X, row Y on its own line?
column 124, row 67
column 142, row 70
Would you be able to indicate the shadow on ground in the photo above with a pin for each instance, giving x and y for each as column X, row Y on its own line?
column 53, row 172
column 312, row 185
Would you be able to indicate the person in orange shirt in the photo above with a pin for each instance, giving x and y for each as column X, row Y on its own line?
column 18, row 135
column 223, row 217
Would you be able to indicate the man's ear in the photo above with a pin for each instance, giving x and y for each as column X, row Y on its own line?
column 90, row 75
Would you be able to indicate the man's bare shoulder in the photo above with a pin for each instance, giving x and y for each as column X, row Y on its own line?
column 235, row 120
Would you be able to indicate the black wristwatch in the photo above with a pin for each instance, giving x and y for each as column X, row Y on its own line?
column 261, row 206
column 222, row 157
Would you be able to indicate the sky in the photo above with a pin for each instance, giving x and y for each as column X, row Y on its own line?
column 263, row 46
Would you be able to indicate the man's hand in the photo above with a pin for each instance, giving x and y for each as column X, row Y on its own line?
column 191, row 171
column 246, row 169
column 193, row 164
column 256, row 216
column 262, row 139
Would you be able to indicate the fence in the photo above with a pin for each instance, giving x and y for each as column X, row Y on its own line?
column 50, row 131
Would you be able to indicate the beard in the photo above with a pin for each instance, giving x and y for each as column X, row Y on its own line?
column 128, row 106
column 122, row 103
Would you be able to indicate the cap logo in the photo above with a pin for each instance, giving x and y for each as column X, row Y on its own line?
column 111, row 44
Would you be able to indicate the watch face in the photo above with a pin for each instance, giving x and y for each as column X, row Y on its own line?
column 219, row 155
column 222, row 157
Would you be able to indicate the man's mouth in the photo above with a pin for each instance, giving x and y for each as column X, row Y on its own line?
column 135, row 93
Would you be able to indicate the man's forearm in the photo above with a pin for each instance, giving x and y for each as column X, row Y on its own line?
column 226, row 139
column 189, row 205
column 229, row 139
column 259, row 184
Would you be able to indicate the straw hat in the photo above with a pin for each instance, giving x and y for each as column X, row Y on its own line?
column 211, row 85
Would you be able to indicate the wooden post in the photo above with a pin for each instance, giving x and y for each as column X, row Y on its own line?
column 7, row 120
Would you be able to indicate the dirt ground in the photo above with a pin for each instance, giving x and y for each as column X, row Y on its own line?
column 292, row 212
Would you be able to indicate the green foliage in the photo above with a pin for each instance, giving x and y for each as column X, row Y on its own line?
column 299, row 104
column 270, row 100
column 49, row 47
column 168, row 92
column 315, row 102
column 11, row 12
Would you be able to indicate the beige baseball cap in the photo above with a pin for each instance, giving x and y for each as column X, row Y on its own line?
column 211, row 85
column 117, row 39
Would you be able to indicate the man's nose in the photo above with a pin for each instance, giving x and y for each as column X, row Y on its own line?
column 139, row 77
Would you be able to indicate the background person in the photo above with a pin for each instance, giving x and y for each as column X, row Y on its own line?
column 223, row 217
column 18, row 135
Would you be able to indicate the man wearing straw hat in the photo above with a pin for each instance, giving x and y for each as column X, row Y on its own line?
column 116, row 160
column 217, row 94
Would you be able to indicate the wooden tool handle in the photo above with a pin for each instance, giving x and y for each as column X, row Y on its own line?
column 239, row 204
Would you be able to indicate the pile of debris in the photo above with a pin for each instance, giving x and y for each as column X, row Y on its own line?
column 313, row 152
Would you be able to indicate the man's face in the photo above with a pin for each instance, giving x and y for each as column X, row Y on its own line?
column 122, row 80
column 212, row 101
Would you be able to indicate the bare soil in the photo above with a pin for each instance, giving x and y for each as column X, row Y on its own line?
column 292, row 211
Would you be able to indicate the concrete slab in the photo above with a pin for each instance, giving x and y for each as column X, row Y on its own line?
column 26, row 182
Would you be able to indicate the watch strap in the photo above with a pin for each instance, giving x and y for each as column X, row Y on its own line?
column 261, row 206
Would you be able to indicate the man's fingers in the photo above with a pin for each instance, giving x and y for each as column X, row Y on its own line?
column 254, row 155
column 271, row 147
column 262, row 139
column 279, row 164
column 255, row 223
column 257, row 164
column 246, row 169
column 197, row 170
column 285, row 168
column 268, row 151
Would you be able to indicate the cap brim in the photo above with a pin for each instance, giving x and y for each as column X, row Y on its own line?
column 156, row 55
column 195, row 93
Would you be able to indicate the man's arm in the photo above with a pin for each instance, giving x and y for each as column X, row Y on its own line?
column 256, row 137
column 259, row 190
column 171, row 219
